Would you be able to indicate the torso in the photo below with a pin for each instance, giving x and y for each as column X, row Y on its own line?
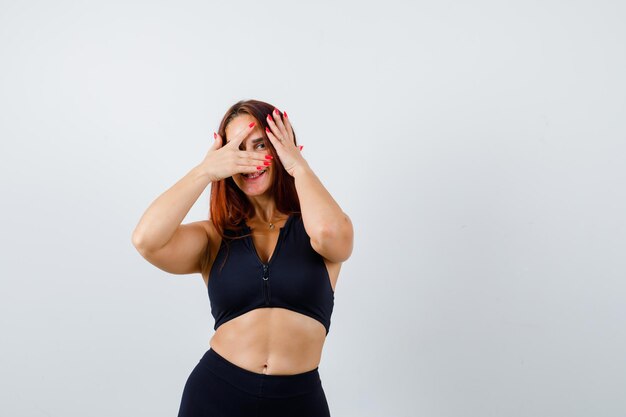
column 272, row 340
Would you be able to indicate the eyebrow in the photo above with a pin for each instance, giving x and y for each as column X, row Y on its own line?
column 257, row 140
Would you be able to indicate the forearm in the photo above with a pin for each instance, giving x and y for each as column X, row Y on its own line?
column 162, row 218
column 320, row 212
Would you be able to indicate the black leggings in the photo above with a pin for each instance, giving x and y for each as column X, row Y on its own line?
column 219, row 388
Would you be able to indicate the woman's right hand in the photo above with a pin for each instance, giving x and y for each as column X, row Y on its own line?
column 225, row 161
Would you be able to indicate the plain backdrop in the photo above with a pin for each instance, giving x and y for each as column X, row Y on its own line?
column 478, row 148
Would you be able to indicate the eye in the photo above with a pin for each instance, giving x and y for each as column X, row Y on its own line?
column 259, row 144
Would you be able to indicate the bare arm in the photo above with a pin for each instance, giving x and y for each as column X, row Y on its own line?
column 328, row 226
column 162, row 218
column 161, row 238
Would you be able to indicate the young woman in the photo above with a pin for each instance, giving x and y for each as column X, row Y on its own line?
column 270, row 255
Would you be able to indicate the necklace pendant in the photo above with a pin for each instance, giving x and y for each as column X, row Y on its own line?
column 271, row 225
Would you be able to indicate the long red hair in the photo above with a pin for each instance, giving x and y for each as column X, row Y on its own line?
column 229, row 206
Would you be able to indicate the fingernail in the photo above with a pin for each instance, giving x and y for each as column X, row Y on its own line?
column 269, row 117
column 285, row 114
column 251, row 124
column 269, row 157
column 267, row 129
column 266, row 162
column 276, row 112
column 214, row 135
column 301, row 146
column 259, row 167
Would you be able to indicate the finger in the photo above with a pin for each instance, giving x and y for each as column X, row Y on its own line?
column 274, row 127
column 287, row 123
column 249, row 169
column 275, row 141
column 258, row 157
column 217, row 141
column 236, row 140
column 278, row 120
column 254, row 165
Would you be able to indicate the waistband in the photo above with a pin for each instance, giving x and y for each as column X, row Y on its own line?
column 262, row 385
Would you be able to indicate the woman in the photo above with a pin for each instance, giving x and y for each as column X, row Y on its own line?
column 270, row 256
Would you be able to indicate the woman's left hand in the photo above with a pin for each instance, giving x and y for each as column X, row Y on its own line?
column 282, row 137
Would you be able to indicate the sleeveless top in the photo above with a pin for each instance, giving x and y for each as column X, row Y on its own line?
column 295, row 277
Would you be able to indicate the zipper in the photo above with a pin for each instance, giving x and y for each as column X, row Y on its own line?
column 266, row 266
column 266, row 289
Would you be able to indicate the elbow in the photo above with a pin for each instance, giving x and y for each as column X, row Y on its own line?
column 335, row 240
column 138, row 241
column 339, row 228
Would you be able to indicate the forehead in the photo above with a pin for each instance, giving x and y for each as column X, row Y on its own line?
column 238, row 124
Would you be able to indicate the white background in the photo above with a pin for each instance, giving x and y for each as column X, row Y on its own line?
column 477, row 146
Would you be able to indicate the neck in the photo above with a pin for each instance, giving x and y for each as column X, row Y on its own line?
column 264, row 208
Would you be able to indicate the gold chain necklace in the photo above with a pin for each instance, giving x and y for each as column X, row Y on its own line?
column 271, row 224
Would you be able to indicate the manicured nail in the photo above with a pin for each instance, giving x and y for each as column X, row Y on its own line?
column 214, row 135
column 276, row 112
column 251, row 124
column 301, row 146
column 266, row 162
column 269, row 157
column 259, row 167
column 267, row 129
column 285, row 114
column 269, row 117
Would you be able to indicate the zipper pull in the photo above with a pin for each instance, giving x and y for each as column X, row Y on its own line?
column 266, row 289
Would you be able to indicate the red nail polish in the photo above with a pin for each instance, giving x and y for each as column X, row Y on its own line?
column 266, row 162
column 301, row 146
column 259, row 167
column 251, row 124
column 276, row 112
column 269, row 117
column 285, row 114
column 267, row 129
column 269, row 157
column 214, row 135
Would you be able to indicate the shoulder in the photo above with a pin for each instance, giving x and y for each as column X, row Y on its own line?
column 208, row 227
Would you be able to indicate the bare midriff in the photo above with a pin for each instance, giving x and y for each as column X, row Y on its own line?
column 271, row 340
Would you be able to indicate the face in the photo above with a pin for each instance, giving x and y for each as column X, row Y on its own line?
column 261, row 184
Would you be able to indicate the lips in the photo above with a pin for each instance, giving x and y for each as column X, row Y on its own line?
column 254, row 176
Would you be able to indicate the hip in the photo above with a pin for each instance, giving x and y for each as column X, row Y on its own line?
column 217, row 387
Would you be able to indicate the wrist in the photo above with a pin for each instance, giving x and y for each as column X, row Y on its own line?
column 301, row 169
column 202, row 172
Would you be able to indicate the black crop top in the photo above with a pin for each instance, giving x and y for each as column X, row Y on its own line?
column 295, row 277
